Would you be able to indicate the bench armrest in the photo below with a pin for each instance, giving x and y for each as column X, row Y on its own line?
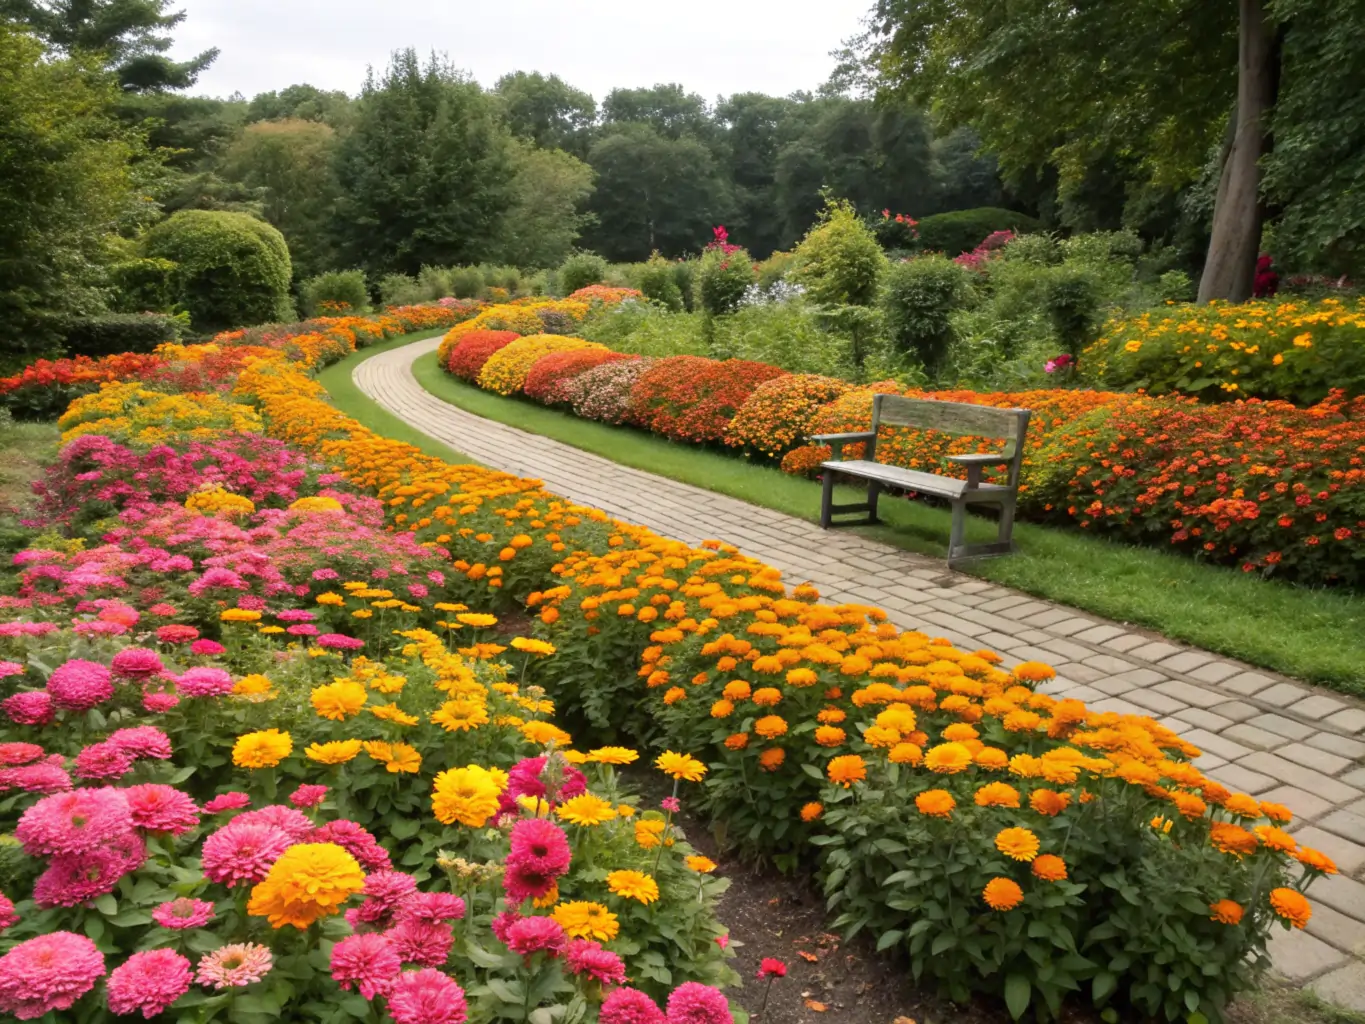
column 983, row 459
column 842, row 439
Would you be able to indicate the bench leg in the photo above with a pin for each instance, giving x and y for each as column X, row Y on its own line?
column 827, row 500
column 955, row 544
column 959, row 551
column 873, row 490
column 1006, row 533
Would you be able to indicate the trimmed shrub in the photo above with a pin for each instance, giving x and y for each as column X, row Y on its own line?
column 108, row 334
column 506, row 369
column 143, row 285
column 335, row 293
column 657, row 282
column 466, row 358
column 1072, row 299
column 777, row 416
column 692, row 398
column 963, row 230
column 465, row 282
column 723, row 275
column 839, row 262
column 233, row 270
column 400, row 290
column 604, row 392
column 920, row 298
column 580, row 270
column 549, row 378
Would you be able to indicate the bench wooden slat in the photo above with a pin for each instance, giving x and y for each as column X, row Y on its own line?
column 947, row 417
column 909, row 479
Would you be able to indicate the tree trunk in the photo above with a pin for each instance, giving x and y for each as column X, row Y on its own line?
column 1230, row 268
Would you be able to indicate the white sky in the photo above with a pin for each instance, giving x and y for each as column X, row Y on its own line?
column 713, row 47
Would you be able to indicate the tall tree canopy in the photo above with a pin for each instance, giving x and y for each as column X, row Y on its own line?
column 547, row 111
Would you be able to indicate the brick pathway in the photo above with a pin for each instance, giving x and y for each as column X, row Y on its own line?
column 1262, row 734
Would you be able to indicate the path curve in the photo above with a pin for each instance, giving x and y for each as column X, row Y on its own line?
column 1263, row 734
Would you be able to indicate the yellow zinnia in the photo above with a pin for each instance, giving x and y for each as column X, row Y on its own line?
column 586, row 809
column 263, row 749
column 468, row 796
column 335, row 752
column 584, row 920
column 308, row 882
column 681, row 766
column 613, row 755
column 339, row 700
column 633, row 885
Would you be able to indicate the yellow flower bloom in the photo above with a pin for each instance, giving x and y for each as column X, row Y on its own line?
column 680, row 766
column 310, row 881
column 948, row 758
column 546, row 732
column 585, row 809
column 584, row 920
column 263, row 749
column 461, row 715
column 633, row 885
column 702, row 865
column 467, row 796
column 239, row 615
column 531, row 646
column 477, row 620
column 649, row 833
column 340, row 700
column 251, row 686
column 1017, row 844
column 335, row 752
column 393, row 713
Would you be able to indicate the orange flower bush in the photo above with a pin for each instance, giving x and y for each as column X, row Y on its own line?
column 692, row 398
column 466, row 357
column 777, row 416
column 604, row 294
column 549, row 379
column 1296, row 351
column 506, row 369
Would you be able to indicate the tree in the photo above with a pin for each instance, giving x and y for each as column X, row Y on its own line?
column 967, row 178
column 672, row 112
column 292, row 162
column 132, row 35
column 654, row 192
column 302, row 102
column 548, row 190
column 65, row 161
column 756, row 127
column 424, row 174
column 547, row 111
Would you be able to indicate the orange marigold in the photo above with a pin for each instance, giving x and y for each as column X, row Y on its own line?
column 846, row 770
column 772, row 759
column 1034, row 672
column 1275, row 839
column 1291, row 905
column 771, row 726
column 905, row 753
column 1226, row 912
column 1231, row 839
column 737, row 741
column 948, row 758
column 1311, row 858
column 1050, row 868
column 935, row 803
column 997, row 794
column 1049, row 801
column 811, row 811
column 1017, row 844
column 1002, row 894
column 829, row 736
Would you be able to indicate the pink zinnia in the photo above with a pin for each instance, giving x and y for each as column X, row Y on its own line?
column 11, row 668
column 47, row 776
column 183, row 913
column 79, row 685
column 136, row 663
column 17, row 753
column 207, row 647
column 149, row 981
column 386, row 892
column 695, row 1003
column 143, row 741
column 426, row 997
column 227, row 802
column 434, row 906
column 295, row 615
column 540, row 846
column 8, row 915
column 160, row 808
column 174, row 633
column 303, row 629
column 536, row 934
column 768, row 967
column 234, row 966
column 103, row 761
column 356, row 841
column 307, row 796
column 425, row 943
column 584, row 956
column 340, row 642
column 293, row 823
column 73, row 879
column 163, row 610
column 204, row 682
column 367, row 961
column 525, row 780
column 630, row 1006
column 242, row 854
column 671, row 804
column 46, row 973
column 159, row 703
column 73, row 822
column 32, row 707
column 502, row 924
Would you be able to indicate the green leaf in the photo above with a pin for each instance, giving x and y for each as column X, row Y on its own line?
column 405, row 828
column 1018, row 991
column 889, row 939
column 508, row 992
column 1103, row 986
column 106, row 905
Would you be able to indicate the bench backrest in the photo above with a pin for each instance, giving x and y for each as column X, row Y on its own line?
column 962, row 418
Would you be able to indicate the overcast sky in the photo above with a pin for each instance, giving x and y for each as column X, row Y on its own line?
column 713, row 47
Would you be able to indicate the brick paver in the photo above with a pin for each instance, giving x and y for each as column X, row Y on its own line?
column 1280, row 737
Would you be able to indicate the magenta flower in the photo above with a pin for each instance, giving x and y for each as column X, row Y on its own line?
column 386, row 893
column 630, row 1006
column 11, row 668
column 12, row 754
column 103, row 761
column 204, row 682
column 149, row 981
column 32, row 707
column 73, row 879
column 294, row 823
column 207, row 647
column 234, row 966
column 367, row 961
column 242, row 853
column 46, row 973
column 695, row 1003
column 340, row 642
column 8, row 915
column 671, row 804
column 227, row 802
column 160, row 808
column 183, row 913
column 356, row 841
column 137, row 663
column 425, row 943
column 79, row 685
column 143, row 741
column 434, row 906
column 159, row 703
column 174, row 633
column 426, row 997
column 74, row 822
column 588, row 958
column 307, row 796
column 535, row 935
column 47, row 776
column 303, row 629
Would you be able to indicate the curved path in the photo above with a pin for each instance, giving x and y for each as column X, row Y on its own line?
column 1277, row 739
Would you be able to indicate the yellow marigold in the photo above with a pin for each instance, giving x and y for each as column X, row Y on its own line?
column 674, row 695
column 900, row 718
column 1242, row 805
column 585, row 920
column 316, row 503
column 263, row 749
column 948, row 758
column 585, row 809
column 997, row 794
column 736, row 689
column 308, row 882
column 328, row 598
column 846, row 770
column 239, row 615
column 1017, row 843
column 251, row 686
column 461, row 715
column 1291, row 905
column 772, row 759
column 339, row 700
column 633, row 885
column 334, row 752
column 829, row 736
column 1226, row 912
column 935, row 803
column 991, row 757
column 649, row 833
column 532, row 646
column 613, row 755
column 1050, row 868
column 881, row 737
column 1275, row 839
column 682, row 767
column 811, row 811
column 1034, row 672
column 403, row 759
column 722, row 709
column 905, row 753
column 767, row 696
column 477, row 620
column 546, row 732
column 1002, row 894
column 701, row 865
column 467, row 796
column 960, row 732
column 771, row 726
column 393, row 713
column 801, row 677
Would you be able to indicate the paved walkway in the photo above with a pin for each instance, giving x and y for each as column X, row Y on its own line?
column 1262, row 734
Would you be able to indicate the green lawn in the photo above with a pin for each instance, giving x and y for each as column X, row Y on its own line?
column 1313, row 635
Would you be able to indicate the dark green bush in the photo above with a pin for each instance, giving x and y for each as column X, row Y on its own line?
column 143, row 285
column 921, row 296
column 465, row 282
column 580, row 270
column 963, row 230
column 839, row 263
column 722, row 278
column 234, row 270
column 685, row 277
column 400, row 290
column 1073, row 299
column 657, row 282
column 108, row 334
column 335, row 292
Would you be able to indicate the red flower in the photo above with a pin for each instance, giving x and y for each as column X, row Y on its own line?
column 771, row 968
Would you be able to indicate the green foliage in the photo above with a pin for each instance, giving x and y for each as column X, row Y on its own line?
column 721, row 280
column 107, row 334
column 461, row 282
column 337, row 292
column 839, row 261
column 963, row 230
column 785, row 334
column 580, row 270
column 1072, row 299
column 400, row 290
column 301, row 102
column 1175, row 286
column 775, row 268
column 233, row 271
column 920, row 299
column 549, row 189
column 657, row 281
column 142, row 285
column 65, row 163
column 641, row 328
column 547, row 111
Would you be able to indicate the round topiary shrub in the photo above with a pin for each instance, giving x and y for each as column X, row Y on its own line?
column 692, row 398
column 777, row 416
column 233, row 270
column 506, row 370
column 604, row 392
column 335, row 293
column 549, row 378
column 466, row 358
column 963, row 230
column 580, row 270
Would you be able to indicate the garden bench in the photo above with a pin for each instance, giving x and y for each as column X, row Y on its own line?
column 946, row 417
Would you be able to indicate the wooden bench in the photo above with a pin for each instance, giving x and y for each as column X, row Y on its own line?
column 946, row 417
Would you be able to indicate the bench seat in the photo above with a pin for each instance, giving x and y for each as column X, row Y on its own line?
column 911, row 479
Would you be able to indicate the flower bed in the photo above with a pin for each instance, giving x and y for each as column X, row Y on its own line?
column 506, row 370
column 227, row 658
column 466, row 357
column 691, row 398
column 548, row 378
column 777, row 417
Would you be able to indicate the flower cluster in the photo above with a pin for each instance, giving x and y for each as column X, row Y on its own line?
column 548, row 379
column 506, row 370
column 466, row 357
column 777, row 417
column 692, row 398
